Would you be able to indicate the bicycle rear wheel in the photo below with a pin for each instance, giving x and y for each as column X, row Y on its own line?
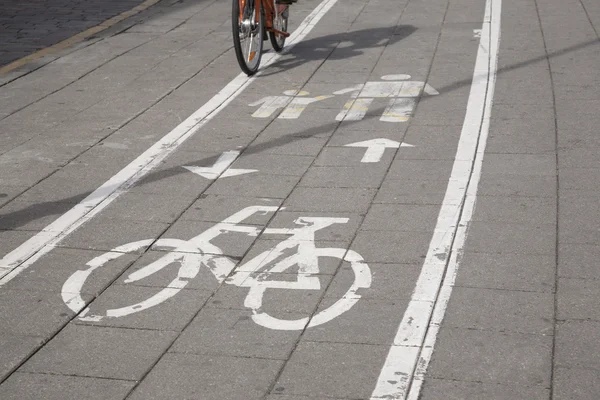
column 247, row 26
column 280, row 22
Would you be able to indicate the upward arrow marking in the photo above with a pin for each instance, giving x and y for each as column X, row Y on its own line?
column 376, row 148
column 221, row 167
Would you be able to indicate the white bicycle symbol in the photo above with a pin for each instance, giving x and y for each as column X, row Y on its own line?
column 199, row 251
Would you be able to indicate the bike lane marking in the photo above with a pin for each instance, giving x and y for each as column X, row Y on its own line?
column 405, row 366
column 12, row 264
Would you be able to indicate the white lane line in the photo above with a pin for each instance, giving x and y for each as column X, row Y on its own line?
column 26, row 254
column 406, row 364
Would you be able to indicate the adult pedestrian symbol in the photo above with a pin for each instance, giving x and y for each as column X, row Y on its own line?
column 401, row 92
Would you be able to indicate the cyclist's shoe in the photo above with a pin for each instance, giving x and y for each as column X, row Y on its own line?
column 288, row 2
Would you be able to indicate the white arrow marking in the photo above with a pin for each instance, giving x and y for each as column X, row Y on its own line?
column 376, row 148
column 221, row 167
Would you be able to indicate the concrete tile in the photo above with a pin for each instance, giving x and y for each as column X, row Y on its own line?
column 147, row 207
column 521, row 210
column 578, row 261
column 343, row 231
column 100, row 352
column 492, row 357
column 493, row 183
column 520, row 164
column 274, row 164
column 369, row 321
column 336, row 156
column 576, row 343
column 344, row 177
column 26, row 386
column 579, row 179
column 10, row 240
column 500, row 237
column 216, row 208
column 314, row 370
column 354, row 200
column 575, row 384
column 106, row 234
column 182, row 376
column 23, row 215
column 33, row 313
column 7, row 193
column 508, row 271
column 14, row 349
column 399, row 191
column 442, row 389
column 421, row 170
column 230, row 332
column 576, row 158
column 255, row 185
column 171, row 315
column 392, row 247
column 578, row 299
column 521, row 142
column 579, row 218
column 401, row 217
column 50, row 272
column 500, row 310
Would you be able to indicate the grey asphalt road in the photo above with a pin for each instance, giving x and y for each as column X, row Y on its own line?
column 402, row 206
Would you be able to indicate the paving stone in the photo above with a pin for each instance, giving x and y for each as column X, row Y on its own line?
column 13, row 350
column 579, row 218
column 492, row 357
column 344, row 177
column 341, row 232
column 178, row 376
column 574, row 343
column 274, row 164
column 579, row 179
column 575, row 384
column 7, row 193
column 578, row 261
column 49, row 273
column 255, row 185
column 314, row 370
column 33, row 313
column 500, row 184
column 521, row 164
column 500, row 310
column 106, row 234
column 522, row 210
column 526, row 272
column 520, row 142
column 578, row 299
column 216, row 208
column 231, row 332
column 442, row 389
column 353, row 200
column 26, row 386
column 369, row 321
column 399, row 191
column 420, row 170
column 101, row 352
column 500, row 237
column 171, row 315
column 395, row 247
column 336, row 156
column 401, row 217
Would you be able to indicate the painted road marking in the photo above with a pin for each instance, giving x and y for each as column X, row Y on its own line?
column 257, row 274
column 376, row 148
column 293, row 101
column 29, row 252
column 220, row 168
column 404, row 369
column 402, row 93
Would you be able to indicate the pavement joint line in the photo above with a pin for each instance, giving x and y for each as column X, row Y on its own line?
column 77, row 38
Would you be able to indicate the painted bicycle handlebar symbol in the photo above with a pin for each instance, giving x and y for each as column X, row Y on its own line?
column 255, row 274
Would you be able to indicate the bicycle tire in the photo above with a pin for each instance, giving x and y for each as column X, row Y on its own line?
column 250, row 66
column 278, row 41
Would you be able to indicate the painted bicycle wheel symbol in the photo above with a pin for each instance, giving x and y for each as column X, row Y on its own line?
column 255, row 274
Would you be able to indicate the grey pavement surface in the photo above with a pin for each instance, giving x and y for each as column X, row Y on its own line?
column 522, row 321
column 27, row 26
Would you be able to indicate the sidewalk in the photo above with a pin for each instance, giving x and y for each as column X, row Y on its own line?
column 280, row 316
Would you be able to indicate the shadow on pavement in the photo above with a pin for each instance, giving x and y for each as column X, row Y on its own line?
column 20, row 218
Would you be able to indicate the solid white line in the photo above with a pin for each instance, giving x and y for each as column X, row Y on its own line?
column 404, row 369
column 26, row 254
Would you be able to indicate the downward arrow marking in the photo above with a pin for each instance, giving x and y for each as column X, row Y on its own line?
column 221, row 167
